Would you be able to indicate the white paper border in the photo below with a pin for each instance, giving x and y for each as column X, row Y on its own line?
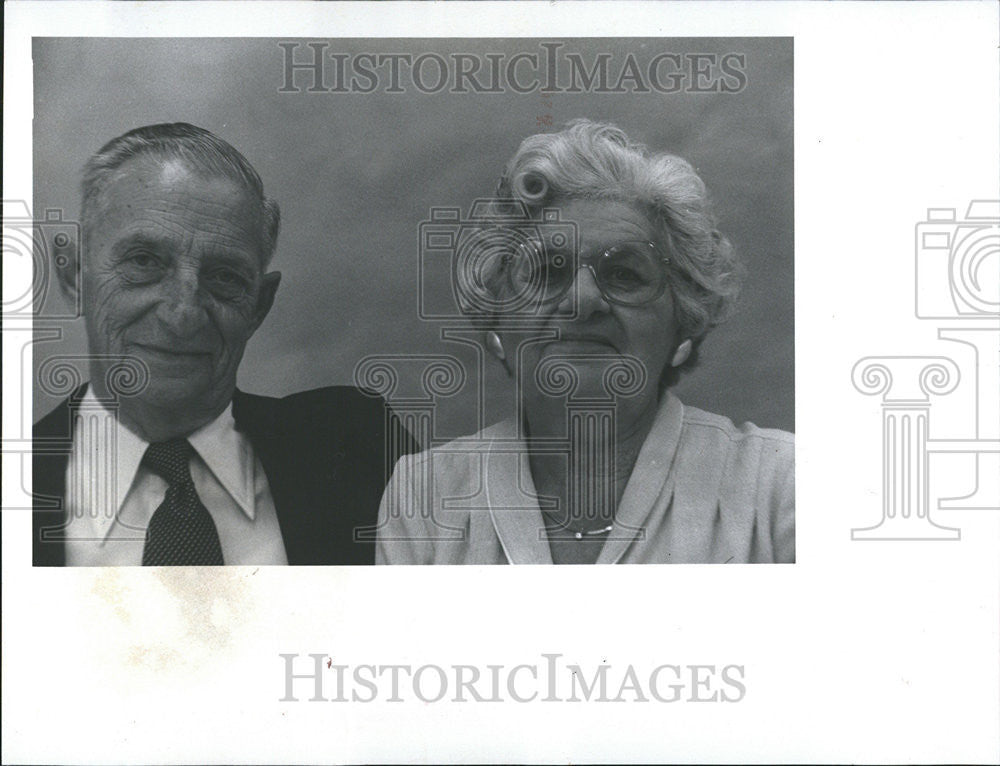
column 876, row 652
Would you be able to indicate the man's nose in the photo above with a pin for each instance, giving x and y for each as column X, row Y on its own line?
column 590, row 299
column 181, row 311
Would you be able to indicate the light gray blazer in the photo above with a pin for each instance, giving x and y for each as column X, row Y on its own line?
column 703, row 491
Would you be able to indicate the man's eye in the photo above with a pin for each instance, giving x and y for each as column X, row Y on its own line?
column 227, row 283
column 226, row 277
column 141, row 266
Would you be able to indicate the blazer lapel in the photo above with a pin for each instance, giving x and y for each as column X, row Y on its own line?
column 651, row 478
column 513, row 500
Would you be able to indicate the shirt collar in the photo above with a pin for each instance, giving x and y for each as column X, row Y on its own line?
column 229, row 456
column 225, row 451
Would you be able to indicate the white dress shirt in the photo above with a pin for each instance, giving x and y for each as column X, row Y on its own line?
column 111, row 496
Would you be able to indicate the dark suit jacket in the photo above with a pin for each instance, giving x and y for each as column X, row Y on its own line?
column 325, row 452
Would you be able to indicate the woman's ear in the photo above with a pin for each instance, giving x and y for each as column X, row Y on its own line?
column 682, row 353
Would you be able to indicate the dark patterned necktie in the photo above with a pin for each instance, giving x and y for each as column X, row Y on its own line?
column 181, row 532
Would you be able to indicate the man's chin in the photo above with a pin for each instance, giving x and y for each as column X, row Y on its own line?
column 170, row 364
column 181, row 396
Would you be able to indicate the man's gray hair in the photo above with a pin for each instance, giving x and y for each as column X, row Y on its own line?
column 197, row 148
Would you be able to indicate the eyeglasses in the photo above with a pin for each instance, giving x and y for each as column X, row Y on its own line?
column 628, row 274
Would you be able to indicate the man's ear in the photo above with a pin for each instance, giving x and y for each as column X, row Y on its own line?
column 265, row 299
column 66, row 263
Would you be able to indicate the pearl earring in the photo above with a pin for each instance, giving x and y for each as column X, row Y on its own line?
column 495, row 345
column 681, row 354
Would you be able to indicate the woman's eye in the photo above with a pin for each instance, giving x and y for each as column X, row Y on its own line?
column 625, row 276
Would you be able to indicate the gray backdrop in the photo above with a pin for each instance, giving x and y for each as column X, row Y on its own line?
column 355, row 174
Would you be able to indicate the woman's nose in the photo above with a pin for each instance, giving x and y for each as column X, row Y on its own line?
column 588, row 293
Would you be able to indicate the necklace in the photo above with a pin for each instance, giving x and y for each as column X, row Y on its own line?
column 591, row 532
column 578, row 534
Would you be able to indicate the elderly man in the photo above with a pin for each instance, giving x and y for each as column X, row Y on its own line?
column 177, row 237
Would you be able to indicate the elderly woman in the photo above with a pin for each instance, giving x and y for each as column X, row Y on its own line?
column 596, row 308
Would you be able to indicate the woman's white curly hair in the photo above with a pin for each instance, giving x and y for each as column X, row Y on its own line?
column 591, row 160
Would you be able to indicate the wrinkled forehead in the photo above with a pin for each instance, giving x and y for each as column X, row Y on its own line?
column 178, row 189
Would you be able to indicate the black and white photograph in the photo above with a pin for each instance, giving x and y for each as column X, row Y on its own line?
column 461, row 222
column 301, row 296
